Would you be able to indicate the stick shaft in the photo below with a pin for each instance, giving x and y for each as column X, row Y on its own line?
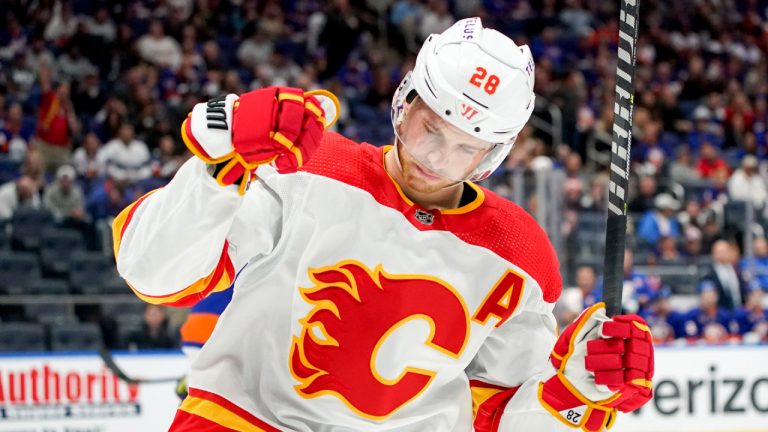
column 615, row 233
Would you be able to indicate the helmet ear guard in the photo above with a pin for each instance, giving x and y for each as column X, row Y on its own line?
column 476, row 79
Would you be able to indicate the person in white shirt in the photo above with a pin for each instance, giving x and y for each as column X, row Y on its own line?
column 101, row 25
column 746, row 184
column 18, row 193
column 86, row 158
column 63, row 24
column 255, row 50
column 125, row 158
column 159, row 49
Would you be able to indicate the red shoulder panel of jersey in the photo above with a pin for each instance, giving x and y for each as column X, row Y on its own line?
column 490, row 221
column 516, row 236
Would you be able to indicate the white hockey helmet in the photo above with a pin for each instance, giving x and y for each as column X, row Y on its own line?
column 477, row 80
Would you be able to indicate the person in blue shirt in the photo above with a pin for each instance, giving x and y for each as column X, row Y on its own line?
column 660, row 221
column 752, row 319
column 756, row 268
column 708, row 321
column 640, row 288
column 666, row 323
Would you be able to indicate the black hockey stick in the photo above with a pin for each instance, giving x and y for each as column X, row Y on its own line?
column 109, row 362
column 616, row 229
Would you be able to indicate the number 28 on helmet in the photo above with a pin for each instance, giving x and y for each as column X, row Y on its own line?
column 469, row 95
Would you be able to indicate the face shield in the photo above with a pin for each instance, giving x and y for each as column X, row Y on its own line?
column 442, row 150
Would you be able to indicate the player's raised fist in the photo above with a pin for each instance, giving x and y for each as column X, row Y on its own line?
column 602, row 365
column 278, row 125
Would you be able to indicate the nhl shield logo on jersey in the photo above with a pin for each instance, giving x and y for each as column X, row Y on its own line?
column 424, row 216
column 355, row 311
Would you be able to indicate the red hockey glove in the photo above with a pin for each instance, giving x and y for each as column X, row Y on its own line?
column 603, row 365
column 278, row 125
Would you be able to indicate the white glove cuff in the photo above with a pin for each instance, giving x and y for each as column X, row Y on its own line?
column 211, row 126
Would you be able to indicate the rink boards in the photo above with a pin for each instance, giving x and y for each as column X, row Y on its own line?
column 696, row 389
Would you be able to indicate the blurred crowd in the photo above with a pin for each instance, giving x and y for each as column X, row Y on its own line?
column 92, row 95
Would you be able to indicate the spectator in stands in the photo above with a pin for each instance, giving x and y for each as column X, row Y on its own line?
column 693, row 245
column 33, row 167
column 722, row 276
column 572, row 164
column 681, row 169
column 705, row 129
column 56, row 123
column 159, row 49
column 750, row 146
column 155, row 332
column 72, row 65
column 745, row 184
column 108, row 119
column 709, row 321
column 106, row 200
column 404, row 16
column 339, row 36
column 667, row 251
column 62, row 25
column 637, row 285
column 86, row 159
column 38, row 54
column 435, row 19
column 756, row 268
column 256, row 49
column 19, row 77
column 213, row 58
column 646, row 193
column 652, row 148
column 64, row 198
column 165, row 161
column 666, row 323
column 89, row 96
column 752, row 319
column 14, row 134
column 101, row 25
column 739, row 117
column 660, row 221
column 125, row 158
column 576, row 299
column 18, row 193
column 640, row 288
column 573, row 193
column 12, row 38
column 597, row 199
column 710, row 161
column 716, row 195
column 693, row 215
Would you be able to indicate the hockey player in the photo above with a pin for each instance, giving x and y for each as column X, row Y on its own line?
column 378, row 289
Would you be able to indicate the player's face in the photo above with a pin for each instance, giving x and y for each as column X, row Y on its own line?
column 418, row 177
column 433, row 153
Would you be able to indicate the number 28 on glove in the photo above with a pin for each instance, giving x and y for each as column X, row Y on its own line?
column 281, row 126
column 602, row 365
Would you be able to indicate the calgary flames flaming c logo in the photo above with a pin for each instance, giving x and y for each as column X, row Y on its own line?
column 355, row 310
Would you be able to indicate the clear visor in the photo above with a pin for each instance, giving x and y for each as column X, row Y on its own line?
column 438, row 146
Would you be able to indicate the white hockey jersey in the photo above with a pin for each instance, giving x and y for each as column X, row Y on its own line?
column 354, row 309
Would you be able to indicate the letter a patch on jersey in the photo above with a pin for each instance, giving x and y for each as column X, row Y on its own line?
column 355, row 311
column 503, row 299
